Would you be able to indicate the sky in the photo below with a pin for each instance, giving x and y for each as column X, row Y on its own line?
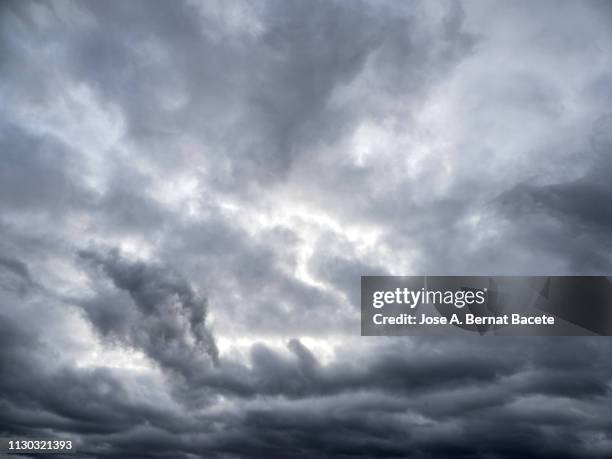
column 191, row 190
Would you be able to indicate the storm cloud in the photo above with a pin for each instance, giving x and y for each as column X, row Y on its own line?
column 169, row 310
column 190, row 192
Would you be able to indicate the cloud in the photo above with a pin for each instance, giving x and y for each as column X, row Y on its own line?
column 172, row 314
column 191, row 190
column 565, row 212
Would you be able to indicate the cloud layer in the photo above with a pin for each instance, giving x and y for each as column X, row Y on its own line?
column 190, row 191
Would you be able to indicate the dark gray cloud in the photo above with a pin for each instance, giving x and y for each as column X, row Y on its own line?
column 578, row 209
column 40, row 160
column 189, row 192
column 171, row 312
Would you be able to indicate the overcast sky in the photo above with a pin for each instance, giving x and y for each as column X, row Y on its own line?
column 190, row 192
